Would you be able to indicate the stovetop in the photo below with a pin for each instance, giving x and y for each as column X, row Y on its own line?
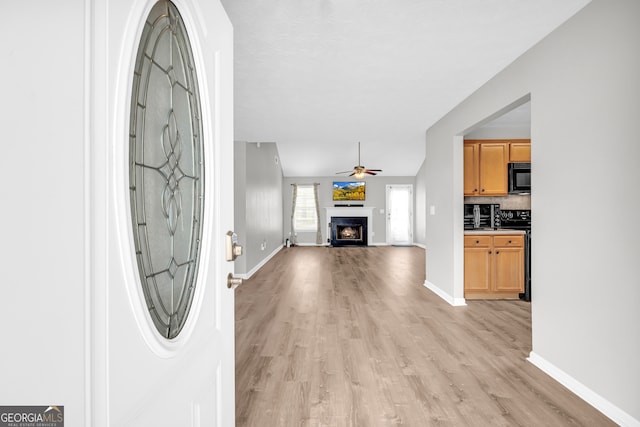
column 515, row 218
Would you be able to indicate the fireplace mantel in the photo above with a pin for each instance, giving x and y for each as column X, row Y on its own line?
column 356, row 211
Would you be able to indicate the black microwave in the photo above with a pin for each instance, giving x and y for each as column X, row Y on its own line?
column 519, row 178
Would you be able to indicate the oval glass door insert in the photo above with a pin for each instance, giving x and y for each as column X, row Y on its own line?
column 166, row 169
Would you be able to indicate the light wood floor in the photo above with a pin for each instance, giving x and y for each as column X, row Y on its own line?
column 351, row 337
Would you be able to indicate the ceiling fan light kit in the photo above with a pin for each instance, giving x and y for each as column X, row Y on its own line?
column 360, row 171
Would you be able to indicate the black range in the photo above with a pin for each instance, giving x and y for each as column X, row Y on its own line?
column 520, row 219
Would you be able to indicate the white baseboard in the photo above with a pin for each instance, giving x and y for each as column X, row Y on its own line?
column 260, row 264
column 420, row 245
column 456, row 302
column 610, row 410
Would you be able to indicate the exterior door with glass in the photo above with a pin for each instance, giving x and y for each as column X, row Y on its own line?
column 162, row 344
column 400, row 215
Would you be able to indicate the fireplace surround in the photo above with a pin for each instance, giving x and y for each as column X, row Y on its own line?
column 351, row 212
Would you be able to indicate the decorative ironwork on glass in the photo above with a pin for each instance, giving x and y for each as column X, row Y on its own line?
column 166, row 170
column 171, row 199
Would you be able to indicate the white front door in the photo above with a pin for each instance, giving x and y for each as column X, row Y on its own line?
column 400, row 215
column 137, row 377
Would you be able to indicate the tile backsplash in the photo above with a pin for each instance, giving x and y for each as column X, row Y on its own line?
column 514, row 201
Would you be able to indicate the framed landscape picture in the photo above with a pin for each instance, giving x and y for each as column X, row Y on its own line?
column 352, row 190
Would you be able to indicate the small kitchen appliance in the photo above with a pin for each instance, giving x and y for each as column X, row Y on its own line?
column 519, row 178
column 481, row 215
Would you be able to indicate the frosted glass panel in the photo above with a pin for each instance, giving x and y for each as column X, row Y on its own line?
column 399, row 203
column 166, row 169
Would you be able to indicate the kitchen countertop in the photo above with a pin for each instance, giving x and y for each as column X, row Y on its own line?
column 491, row 231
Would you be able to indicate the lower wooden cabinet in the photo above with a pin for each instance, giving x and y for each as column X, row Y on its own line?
column 493, row 266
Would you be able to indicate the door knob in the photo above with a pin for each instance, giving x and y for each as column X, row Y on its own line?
column 233, row 282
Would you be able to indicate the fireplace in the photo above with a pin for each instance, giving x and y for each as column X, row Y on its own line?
column 349, row 231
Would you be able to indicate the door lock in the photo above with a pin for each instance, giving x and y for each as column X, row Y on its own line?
column 232, row 249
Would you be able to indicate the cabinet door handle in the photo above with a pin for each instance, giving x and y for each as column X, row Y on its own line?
column 509, row 241
column 477, row 242
column 489, row 252
column 497, row 252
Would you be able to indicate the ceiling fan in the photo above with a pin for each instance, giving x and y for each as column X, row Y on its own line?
column 359, row 171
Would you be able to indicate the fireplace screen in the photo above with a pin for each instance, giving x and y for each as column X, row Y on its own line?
column 349, row 231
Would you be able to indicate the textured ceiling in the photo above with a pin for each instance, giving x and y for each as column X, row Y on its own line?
column 317, row 76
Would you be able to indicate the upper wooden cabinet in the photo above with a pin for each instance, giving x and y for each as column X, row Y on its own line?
column 520, row 150
column 485, row 164
column 485, row 168
column 471, row 169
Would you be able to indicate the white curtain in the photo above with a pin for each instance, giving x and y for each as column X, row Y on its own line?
column 293, row 214
column 305, row 211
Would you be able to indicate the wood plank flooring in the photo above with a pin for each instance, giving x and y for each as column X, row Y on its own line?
column 351, row 337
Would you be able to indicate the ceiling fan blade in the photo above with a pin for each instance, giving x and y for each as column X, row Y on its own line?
column 352, row 173
column 343, row 172
column 370, row 173
column 375, row 170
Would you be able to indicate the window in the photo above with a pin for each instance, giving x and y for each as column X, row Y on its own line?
column 305, row 215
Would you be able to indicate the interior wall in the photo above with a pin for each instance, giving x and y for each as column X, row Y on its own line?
column 584, row 90
column 258, row 202
column 240, row 202
column 43, row 146
column 522, row 132
column 420, row 211
column 375, row 197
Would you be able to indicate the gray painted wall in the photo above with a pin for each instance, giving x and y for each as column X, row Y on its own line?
column 584, row 90
column 240, row 201
column 258, row 202
column 500, row 133
column 375, row 196
column 420, row 213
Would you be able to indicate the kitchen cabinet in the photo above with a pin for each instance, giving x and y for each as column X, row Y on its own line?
column 477, row 264
column 485, row 168
column 520, row 151
column 493, row 266
column 471, row 168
